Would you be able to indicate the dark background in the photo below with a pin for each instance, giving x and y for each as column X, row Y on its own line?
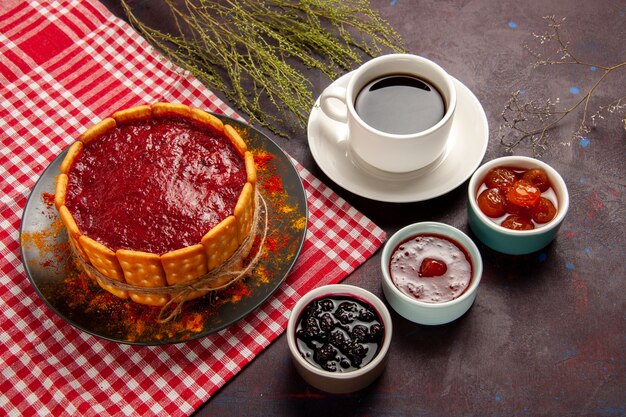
column 546, row 335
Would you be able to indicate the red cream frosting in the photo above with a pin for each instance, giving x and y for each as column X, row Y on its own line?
column 155, row 185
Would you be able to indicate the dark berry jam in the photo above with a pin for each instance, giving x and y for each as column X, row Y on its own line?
column 339, row 333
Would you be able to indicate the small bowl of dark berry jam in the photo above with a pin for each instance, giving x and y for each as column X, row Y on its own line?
column 339, row 337
column 431, row 272
column 516, row 204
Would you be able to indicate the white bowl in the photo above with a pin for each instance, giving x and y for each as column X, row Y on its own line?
column 515, row 242
column 422, row 312
column 340, row 382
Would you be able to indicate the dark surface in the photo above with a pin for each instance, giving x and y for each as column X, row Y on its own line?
column 546, row 336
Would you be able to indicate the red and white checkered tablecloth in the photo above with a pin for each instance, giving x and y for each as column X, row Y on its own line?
column 64, row 64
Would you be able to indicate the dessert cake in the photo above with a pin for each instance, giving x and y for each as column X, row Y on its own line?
column 155, row 196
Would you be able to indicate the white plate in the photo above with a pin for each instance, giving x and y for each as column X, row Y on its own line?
column 466, row 148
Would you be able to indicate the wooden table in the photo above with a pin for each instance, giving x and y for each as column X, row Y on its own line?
column 546, row 335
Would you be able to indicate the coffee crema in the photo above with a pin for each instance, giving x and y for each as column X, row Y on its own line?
column 400, row 104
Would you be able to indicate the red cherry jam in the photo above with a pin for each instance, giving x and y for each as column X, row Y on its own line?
column 517, row 198
column 339, row 333
column 431, row 268
column 154, row 185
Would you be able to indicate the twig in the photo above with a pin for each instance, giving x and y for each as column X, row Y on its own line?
column 532, row 121
column 247, row 49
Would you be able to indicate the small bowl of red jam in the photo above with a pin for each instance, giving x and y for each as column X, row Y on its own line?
column 339, row 337
column 516, row 204
column 431, row 272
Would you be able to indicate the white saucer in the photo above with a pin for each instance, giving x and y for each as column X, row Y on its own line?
column 466, row 148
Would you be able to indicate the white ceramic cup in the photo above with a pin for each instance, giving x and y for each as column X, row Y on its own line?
column 390, row 152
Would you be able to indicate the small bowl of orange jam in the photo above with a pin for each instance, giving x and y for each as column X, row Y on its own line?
column 431, row 272
column 516, row 204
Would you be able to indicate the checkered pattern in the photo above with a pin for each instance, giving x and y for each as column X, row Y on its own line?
column 63, row 65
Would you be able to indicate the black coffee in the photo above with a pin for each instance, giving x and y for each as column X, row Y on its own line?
column 400, row 104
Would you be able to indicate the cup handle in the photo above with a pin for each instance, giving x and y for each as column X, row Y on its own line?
column 333, row 105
